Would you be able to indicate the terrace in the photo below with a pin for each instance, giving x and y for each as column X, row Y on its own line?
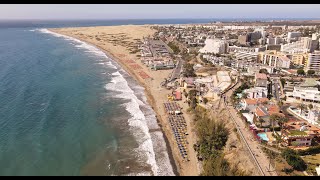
column 297, row 133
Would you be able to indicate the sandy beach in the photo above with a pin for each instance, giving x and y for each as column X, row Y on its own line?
column 120, row 43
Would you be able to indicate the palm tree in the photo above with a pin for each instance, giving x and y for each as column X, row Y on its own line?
column 261, row 121
column 244, row 95
column 280, row 103
column 273, row 118
column 280, row 118
column 301, row 107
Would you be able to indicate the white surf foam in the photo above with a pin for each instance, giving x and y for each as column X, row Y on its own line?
column 82, row 45
column 119, row 84
column 138, row 119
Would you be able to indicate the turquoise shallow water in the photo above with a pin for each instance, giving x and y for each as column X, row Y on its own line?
column 67, row 109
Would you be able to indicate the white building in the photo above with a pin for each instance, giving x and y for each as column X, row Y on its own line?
column 306, row 94
column 256, row 92
column 255, row 69
column 313, row 62
column 245, row 52
column 251, row 104
column 262, row 32
column 235, row 49
column 224, row 80
column 313, row 116
column 293, row 36
column 304, row 45
column 274, row 41
column 214, row 46
column 276, row 60
column 318, row 170
column 246, row 55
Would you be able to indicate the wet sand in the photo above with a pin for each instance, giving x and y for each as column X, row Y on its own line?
column 119, row 43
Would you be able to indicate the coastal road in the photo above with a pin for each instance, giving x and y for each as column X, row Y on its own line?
column 177, row 70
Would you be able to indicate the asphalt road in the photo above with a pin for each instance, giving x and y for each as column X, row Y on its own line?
column 177, row 70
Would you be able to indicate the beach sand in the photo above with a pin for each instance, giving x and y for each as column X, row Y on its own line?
column 120, row 43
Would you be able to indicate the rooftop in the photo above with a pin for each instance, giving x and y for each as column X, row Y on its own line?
column 305, row 88
column 297, row 133
column 260, row 111
column 251, row 101
column 284, row 58
column 261, row 76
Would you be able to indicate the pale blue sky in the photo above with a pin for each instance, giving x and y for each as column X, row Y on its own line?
column 157, row 11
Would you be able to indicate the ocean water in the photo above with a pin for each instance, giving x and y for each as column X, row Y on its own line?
column 68, row 109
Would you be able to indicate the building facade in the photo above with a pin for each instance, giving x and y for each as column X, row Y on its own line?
column 275, row 60
column 306, row 94
column 216, row 46
column 301, row 46
column 293, row 36
column 299, row 59
column 313, row 62
column 261, row 80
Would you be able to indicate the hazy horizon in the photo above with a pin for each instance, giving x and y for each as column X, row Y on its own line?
column 157, row 11
column 158, row 19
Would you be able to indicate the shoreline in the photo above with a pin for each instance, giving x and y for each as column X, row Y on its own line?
column 147, row 92
column 151, row 102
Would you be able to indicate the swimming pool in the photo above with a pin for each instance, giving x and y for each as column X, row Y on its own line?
column 263, row 136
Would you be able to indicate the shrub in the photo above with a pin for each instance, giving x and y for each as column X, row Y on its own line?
column 294, row 160
column 275, row 128
column 310, row 150
column 287, row 170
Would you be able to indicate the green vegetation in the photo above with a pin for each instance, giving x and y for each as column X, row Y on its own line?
column 174, row 47
column 297, row 133
column 300, row 72
column 274, row 128
column 310, row 150
column 205, row 61
column 193, row 99
column 294, row 160
column 302, row 107
column 239, row 90
column 213, row 136
column 283, row 82
column 205, row 100
column 311, row 72
column 189, row 71
column 312, row 161
column 134, row 51
column 264, row 71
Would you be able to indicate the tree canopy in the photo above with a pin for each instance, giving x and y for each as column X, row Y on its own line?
column 264, row 71
column 174, row 48
column 311, row 72
column 294, row 160
column 213, row 135
column 300, row 72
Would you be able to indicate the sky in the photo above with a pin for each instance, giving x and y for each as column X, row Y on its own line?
column 157, row 11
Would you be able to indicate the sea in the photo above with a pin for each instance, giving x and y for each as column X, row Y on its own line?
column 66, row 108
